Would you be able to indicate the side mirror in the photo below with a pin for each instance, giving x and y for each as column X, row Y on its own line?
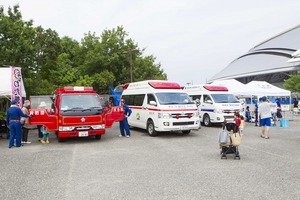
column 153, row 103
column 209, row 101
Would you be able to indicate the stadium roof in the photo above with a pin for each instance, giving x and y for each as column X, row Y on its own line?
column 265, row 61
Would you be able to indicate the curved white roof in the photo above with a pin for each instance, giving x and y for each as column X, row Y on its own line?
column 268, row 57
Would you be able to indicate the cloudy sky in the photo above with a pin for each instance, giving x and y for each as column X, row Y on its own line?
column 192, row 39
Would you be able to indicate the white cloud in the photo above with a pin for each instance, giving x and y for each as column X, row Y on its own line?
column 193, row 39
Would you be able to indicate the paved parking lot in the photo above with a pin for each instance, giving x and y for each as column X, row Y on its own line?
column 170, row 166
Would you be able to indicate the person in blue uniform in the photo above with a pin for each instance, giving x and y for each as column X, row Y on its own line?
column 256, row 114
column 278, row 113
column 124, row 122
column 13, row 115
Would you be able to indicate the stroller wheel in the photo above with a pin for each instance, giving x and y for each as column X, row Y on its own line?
column 237, row 158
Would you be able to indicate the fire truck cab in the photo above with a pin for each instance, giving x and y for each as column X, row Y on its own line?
column 73, row 112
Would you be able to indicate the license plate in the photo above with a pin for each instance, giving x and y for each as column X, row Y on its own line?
column 83, row 133
column 184, row 128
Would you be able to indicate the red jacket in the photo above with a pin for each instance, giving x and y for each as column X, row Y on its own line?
column 237, row 121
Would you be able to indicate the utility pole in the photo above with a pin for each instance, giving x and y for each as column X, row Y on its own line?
column 129, row 52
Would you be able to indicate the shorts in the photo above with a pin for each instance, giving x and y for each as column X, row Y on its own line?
column 265, row 122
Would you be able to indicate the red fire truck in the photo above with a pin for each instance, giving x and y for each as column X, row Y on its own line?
column 74, row 112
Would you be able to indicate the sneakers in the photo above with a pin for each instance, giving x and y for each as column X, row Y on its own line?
column 27, row 142
column 47, row 141
column 23, row 142
column 124, row 136
column 43, row 141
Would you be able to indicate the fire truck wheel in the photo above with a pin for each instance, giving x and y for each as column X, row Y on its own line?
column 151, row 128
column 98, row 137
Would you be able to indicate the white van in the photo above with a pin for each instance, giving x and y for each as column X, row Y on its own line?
column 159, row 106
column 216, row 103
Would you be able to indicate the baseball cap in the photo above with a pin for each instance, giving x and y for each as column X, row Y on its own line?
column 14, row 102
column 264, row 98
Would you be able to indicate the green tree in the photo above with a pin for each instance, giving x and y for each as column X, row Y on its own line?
column 293, row 83
column 17, row 43
column 49, row 61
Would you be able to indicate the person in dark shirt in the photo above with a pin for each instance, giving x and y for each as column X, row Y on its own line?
column 295, row 109
column 13, row 115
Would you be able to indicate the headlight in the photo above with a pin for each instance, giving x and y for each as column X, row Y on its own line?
column 101, row 126
column 164, row 115
column 66, row 128
column 219, row 111
column 196, row 114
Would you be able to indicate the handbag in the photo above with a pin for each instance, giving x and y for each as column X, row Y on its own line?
column 236, row 139
column 224, row 137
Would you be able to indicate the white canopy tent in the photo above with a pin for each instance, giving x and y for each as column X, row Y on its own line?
column 254, row 88
column 235, row 87
column 6, row 83
column 263, row 88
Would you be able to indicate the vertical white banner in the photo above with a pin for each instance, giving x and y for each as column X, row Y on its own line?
column 16, row 85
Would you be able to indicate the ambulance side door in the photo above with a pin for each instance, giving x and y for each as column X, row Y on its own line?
column 148, row 110
column 137, row 116
column 207, row 105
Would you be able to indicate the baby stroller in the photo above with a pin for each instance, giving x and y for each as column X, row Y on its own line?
column 228, row 147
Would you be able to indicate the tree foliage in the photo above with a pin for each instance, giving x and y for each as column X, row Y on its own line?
column 48, row 61
column 293, row 83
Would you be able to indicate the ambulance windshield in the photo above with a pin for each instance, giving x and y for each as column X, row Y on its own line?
column 224, row 98
column 173, row 98
column 80, row 104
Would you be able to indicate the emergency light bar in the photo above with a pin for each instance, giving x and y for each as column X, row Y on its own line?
column 164, row 85
column 215, row 88
column 78, row 88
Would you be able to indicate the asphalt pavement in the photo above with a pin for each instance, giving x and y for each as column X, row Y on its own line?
column 169, row 166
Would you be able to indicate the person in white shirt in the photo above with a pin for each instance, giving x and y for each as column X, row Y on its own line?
column 264, row 111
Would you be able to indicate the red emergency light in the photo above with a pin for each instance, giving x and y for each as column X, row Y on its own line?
column 164, row 85
column 125, row 86
column 215, row 88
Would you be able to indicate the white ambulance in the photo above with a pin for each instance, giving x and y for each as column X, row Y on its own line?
column 216, row 103
column 159, row 106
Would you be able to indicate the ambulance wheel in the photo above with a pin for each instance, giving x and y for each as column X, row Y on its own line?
column 151, row 129
column 98, row 137
column 206, row 120
column 186, row 132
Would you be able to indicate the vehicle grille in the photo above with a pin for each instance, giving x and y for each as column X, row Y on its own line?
column 182, row 115
column 182, row 123
column 80, row 128
column 230, row 111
